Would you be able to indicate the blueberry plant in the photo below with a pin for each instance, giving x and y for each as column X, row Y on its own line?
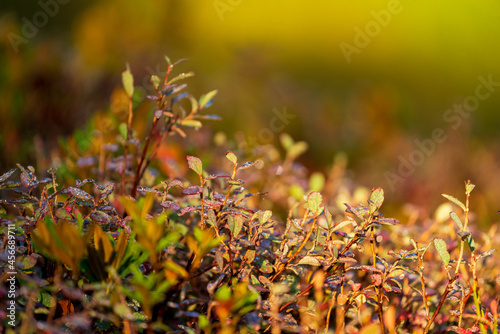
column 234, row 246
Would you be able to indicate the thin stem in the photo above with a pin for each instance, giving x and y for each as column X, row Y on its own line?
column 441, row 302
column 294, row 255
column 125, row 151
column 380, row 310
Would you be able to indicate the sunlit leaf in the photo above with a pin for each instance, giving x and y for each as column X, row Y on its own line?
column 62, row 213
column 376, row 199
column 231, row 157
column 314, row 201
column 441, row 247
column 310, row 260
column 454, row 200
column 192, row 123
column 207, row 99
column 195, row 164
column 128, row 81
column 181, row 77
column 457, row 220
column 156, row 81
column 468, row 188
column 342, row 224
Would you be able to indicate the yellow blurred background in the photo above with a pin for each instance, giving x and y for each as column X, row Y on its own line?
column 371, row 79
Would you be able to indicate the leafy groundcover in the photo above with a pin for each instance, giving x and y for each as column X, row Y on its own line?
column 230, row 246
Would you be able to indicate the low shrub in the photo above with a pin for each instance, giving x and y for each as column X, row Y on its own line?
column 234, row 246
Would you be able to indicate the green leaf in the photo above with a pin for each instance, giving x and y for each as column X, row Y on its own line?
column 310, row 260
column 316, row 181
column 314, row 201
column 286, row 141
column 297, row 149
column 457, row 220
column 231, row 157
column 342, row 224
column 206, row 99
column 235, row 224
column 192, row 123
column 442, row 250
column 181, row 76
column 376, row 199
column 454, row 200
column 122, row 128
column 128, row 82
column 155, row 80
column 195, row 164
column 468, row 188
column 80, row 194
column 262, row 216
column 471, row 243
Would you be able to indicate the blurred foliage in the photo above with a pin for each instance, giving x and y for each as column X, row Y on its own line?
column 264, row 56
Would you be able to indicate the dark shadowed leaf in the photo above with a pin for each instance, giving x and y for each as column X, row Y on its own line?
column 62, row 213
column 192, row 190
column 186, row 210
column 7, row 175
column 100, row 217
column 80, row 194
column 108, row 189
column 170, row 205
column 10, row 184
